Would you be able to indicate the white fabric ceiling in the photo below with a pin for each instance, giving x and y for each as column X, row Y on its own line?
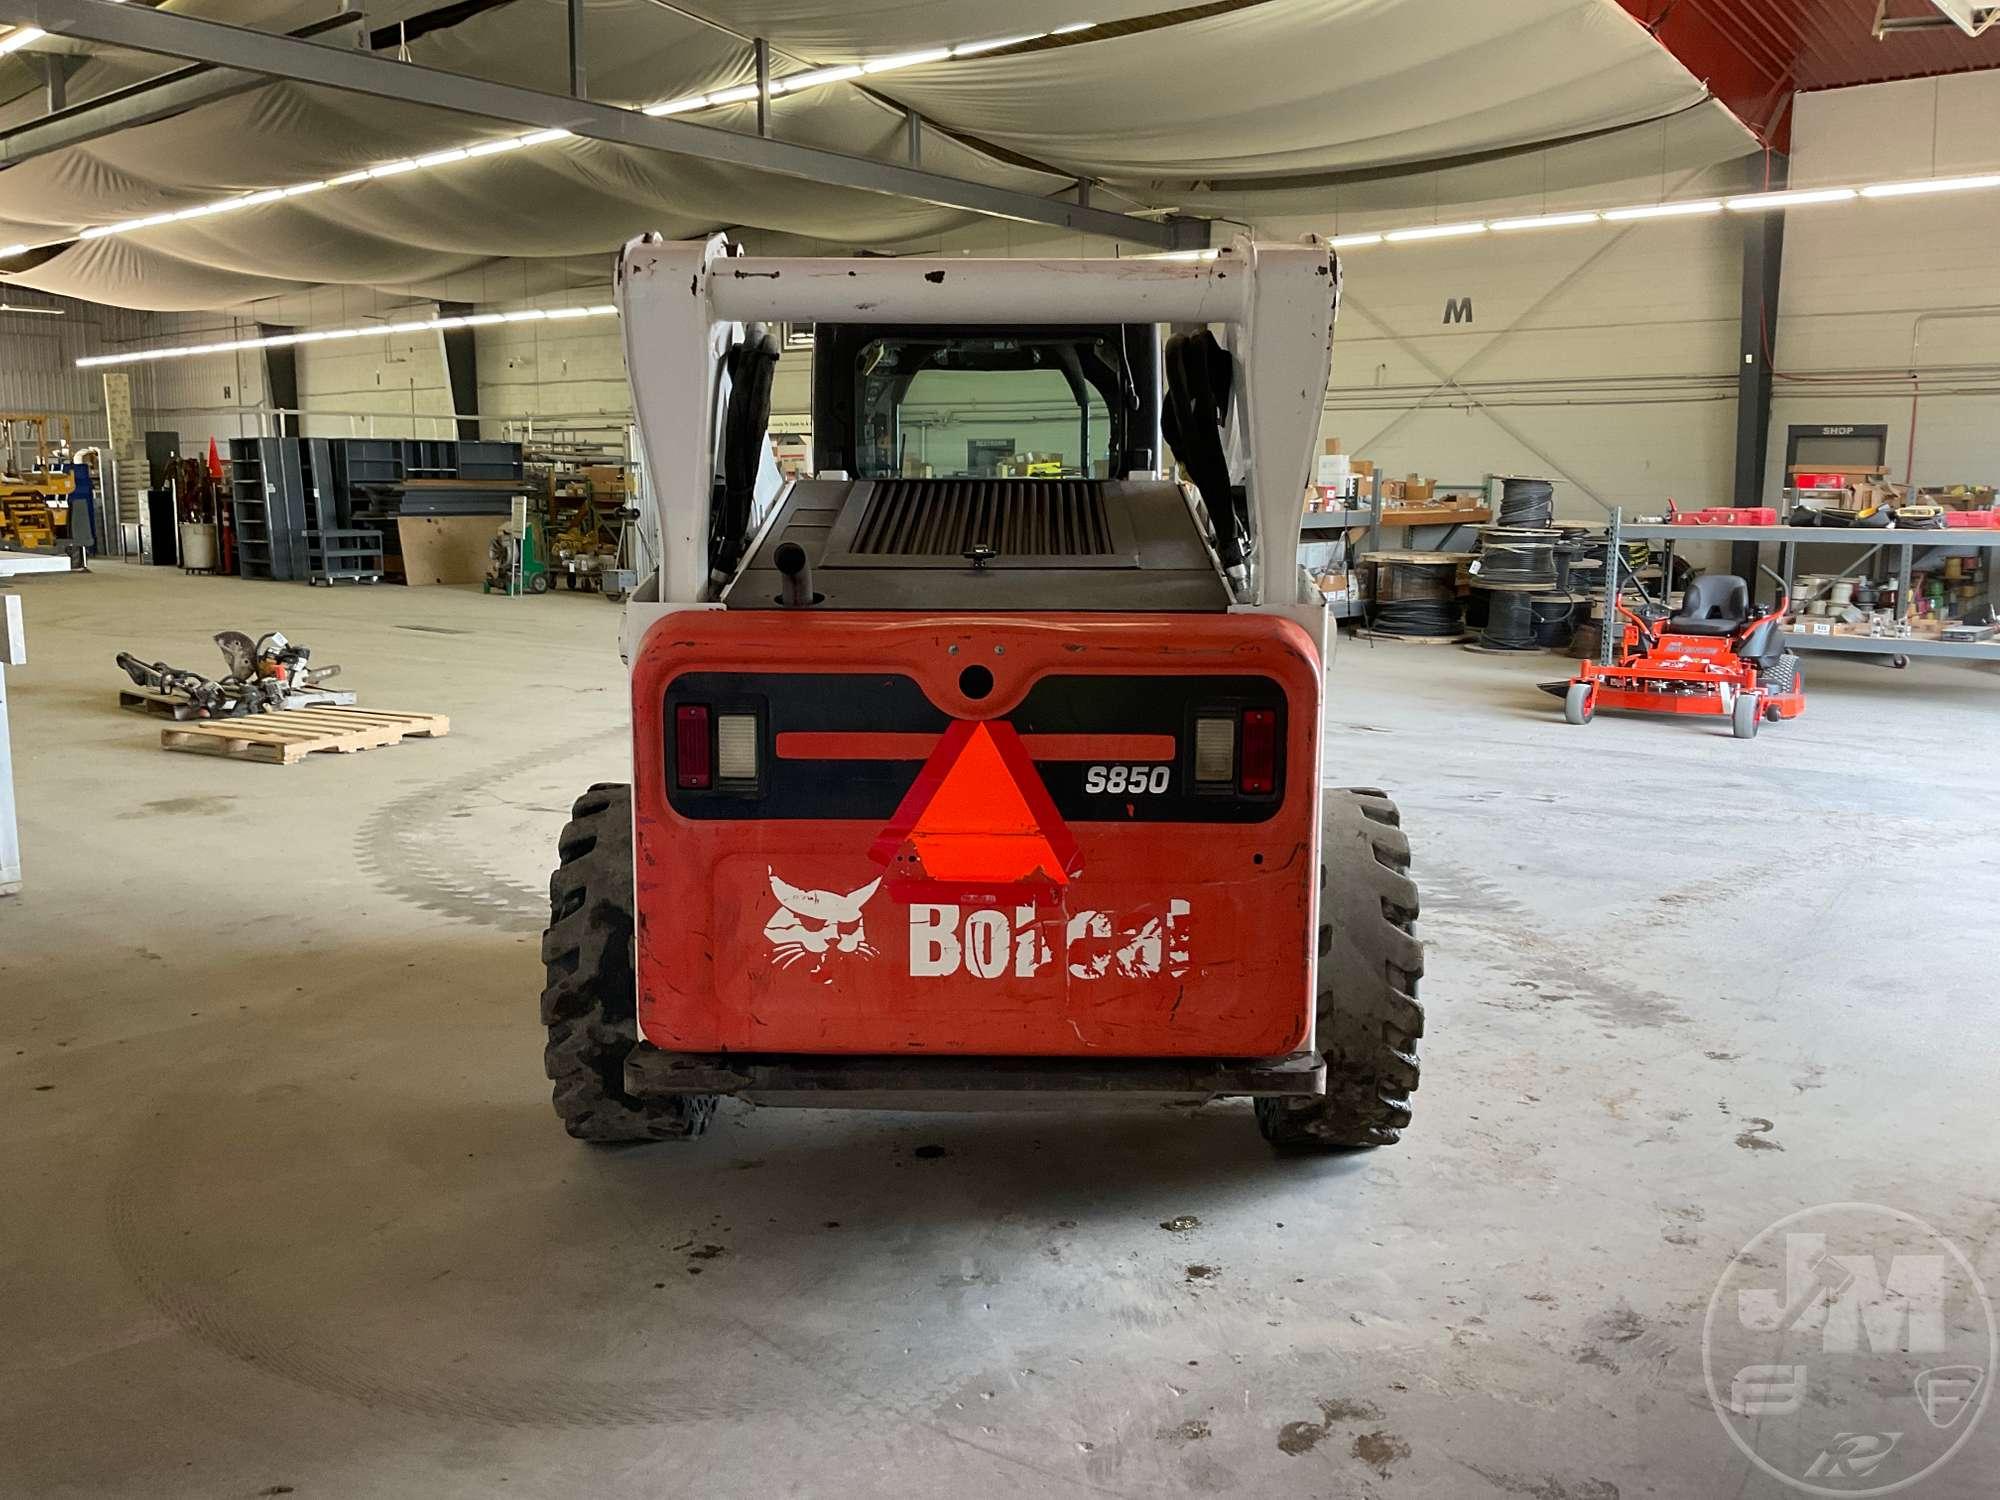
column 1256, row 110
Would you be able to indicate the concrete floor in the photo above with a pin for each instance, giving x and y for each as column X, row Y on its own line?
column 285, row 1204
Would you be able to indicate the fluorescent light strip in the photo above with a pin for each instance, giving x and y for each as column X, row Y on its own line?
column 1433, row 232
column 737, row 94
column 1752, row 203
column 321, row 335
column 1545, row 221
column 19, row 37
column 1929, row 185
column 426, row 163
column 8, row 252
column 1663, row 210
column 797, row 83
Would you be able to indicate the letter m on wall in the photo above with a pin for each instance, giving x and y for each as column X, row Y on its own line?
column 1458, row 309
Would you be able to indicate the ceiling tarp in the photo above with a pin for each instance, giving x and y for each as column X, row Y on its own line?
column 1251, row 110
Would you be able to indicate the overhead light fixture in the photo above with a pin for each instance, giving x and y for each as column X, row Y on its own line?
column 1354, row 241
column 973, row 49
column 676, row 106
column 1545, row 221
column 1664, row 210
column 812, row 80
column 321, row 335
column 40, row 312
column 19, row 37
column 8, row 252
column 1433, row 232
column 1751, row 203
column 906, row 60
column 1073, row 28
column 735, row 95
column 1929, row 185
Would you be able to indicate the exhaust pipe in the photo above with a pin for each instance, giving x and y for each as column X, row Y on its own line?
column 797, row 572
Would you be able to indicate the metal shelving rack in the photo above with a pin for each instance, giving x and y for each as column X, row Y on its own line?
column 1325, row 526
column 1788, row 539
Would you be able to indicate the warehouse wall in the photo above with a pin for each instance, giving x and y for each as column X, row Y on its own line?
column 1601, row 356
column 1889, row 300
column 206, row 396
column 564, row 381
column 389, row 385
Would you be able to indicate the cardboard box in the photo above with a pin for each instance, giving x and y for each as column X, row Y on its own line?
column 1418, row 490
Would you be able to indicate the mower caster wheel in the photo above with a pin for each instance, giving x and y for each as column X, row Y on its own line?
column 590, row 1006
column 539, row 584
column 1579, row 704
column 1899, row 662
column 1746, row 715
column 1368, row 1017
column 1771, row 713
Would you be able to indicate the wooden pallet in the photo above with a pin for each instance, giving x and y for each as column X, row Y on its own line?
column 285, row 739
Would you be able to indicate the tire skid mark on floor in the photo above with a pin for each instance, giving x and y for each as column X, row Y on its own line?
column 404, row 849
column 1557, row 965
column 374, row 1378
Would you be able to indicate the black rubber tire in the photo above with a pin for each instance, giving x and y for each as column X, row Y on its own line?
column 1370, row 961
column 1745, row 715
column 1579, row 704
column 590, row 1006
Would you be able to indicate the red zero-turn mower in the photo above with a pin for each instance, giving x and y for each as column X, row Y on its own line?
column 1718, row 655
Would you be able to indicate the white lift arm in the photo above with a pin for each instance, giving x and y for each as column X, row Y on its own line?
column 684, row 304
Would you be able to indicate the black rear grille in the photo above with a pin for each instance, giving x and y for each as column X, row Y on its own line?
column 1014, row 517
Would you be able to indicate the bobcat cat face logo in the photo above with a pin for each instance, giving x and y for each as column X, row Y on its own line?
column 812, row 926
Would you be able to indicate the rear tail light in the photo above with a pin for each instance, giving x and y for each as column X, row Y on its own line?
column 1259, row 774
column 1215, row 751
column 694, row 760
column 736, row 748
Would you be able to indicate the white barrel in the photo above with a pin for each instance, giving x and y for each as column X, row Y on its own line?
column 198, row 546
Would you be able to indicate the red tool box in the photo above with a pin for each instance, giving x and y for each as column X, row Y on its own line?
column 1723, row 515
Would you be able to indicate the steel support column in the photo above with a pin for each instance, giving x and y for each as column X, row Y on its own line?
column 281, row 380
column 461, row 367
column 1763, row 261
column 579, row 83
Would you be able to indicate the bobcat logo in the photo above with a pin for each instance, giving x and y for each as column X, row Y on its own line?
column 814, row 925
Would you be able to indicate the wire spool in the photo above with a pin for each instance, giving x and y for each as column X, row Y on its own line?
column 1510, row 621
column 1554, row 620
column 1587, row 640
column 1527, row 502
column 1517, row 555
column 1416, row 595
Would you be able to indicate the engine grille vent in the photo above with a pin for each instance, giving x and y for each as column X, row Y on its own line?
column 1015, row 517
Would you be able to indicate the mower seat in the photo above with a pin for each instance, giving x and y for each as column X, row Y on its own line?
column 1715, row 604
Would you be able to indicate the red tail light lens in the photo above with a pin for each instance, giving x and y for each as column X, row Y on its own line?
column 1258, row 765
column 694, row 759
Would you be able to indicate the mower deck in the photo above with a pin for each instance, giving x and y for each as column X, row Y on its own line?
column 958, row 1083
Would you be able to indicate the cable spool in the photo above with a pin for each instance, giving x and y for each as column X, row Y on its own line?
column 1510, row 621
column 1555, row 620
column 1527, row 502
column 1517, row 555
column 1416, row 595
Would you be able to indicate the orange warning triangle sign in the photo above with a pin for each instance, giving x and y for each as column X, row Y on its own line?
column 977, row 824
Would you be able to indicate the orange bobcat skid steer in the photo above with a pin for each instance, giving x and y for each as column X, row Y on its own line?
column 958, row 782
